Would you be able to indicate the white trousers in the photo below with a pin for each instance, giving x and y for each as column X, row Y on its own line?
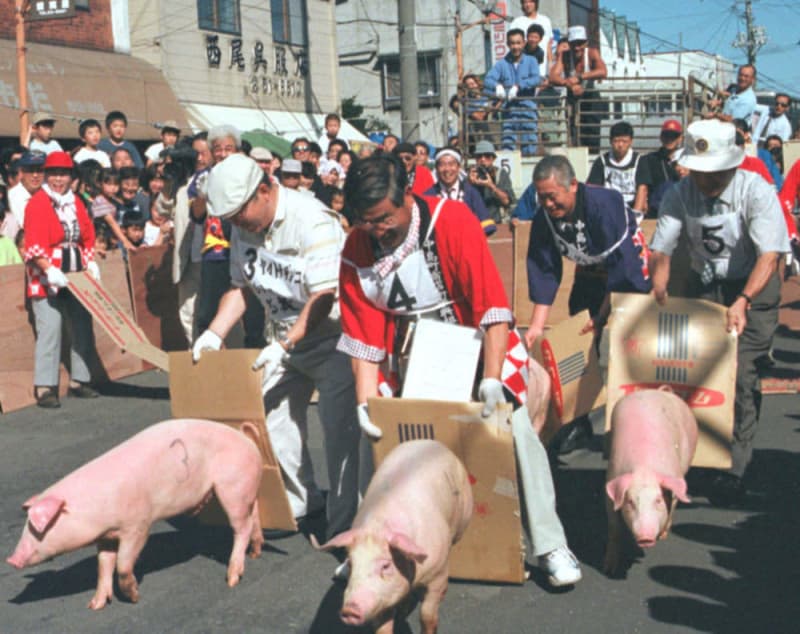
column 544, row 528
column 286, row 399
column 187, row 295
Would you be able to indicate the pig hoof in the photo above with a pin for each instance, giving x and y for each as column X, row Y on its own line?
column 233, row 580
column 129, row 589
column 98, row 602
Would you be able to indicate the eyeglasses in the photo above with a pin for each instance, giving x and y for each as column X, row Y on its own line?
column 386, row 220
column 300, row 148
column 782, row 104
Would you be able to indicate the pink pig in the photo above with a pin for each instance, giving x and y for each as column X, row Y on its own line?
column 654, row 436
column 417, row 506
column 167, row 469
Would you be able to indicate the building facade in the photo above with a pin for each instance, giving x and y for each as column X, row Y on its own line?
column 267, row 65
column 77, row 68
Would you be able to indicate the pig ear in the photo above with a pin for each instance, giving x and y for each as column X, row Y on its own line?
column 342, row 540
column 404, row 545
column 44, row 512
column 676, row 485
column 616, row 489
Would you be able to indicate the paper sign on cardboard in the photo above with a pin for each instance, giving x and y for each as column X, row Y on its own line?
column 571, row 361
column 682, row 344
column 222, row 387
column 119, row 325
column 492, row 548
column 443, row 361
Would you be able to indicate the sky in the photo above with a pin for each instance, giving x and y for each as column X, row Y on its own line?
column 712, row 25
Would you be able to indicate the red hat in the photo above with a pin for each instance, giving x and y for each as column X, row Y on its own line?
column 58, row 159
column 672, row 125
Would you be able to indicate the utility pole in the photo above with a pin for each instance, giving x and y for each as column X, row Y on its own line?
column 409, row 74
column 20, row 8
column 754, row 36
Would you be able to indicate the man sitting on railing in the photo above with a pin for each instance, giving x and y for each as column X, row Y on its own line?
column 514, row 79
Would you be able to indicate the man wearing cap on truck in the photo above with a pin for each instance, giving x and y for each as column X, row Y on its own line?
column 412, row 257
column 662, row 165
column 285, row 249
column 576, row 67
column 736, row 236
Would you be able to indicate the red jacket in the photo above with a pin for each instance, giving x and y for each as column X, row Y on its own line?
column 788, row 197
column 44, row 236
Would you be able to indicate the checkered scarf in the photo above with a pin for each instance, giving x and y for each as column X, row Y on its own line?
column 393, row 260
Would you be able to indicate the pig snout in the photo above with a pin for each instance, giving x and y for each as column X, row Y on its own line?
column 352, row 614
column 17, row 561
column 645, row 532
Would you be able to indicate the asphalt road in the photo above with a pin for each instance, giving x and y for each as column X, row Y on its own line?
column 719, row 571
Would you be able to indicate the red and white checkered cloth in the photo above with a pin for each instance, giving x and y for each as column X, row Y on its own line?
column 514, row 374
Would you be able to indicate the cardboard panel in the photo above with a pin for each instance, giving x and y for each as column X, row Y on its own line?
column 791, row 154
column 116, row 322
column 682, row 344
column 571, row 361
column 17, row 333
column 155, row 297
column 492, row 548
column 196, row 391
column 521, row 304
column 502, row 249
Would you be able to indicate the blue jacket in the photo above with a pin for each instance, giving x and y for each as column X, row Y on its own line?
column 525, row 75
column 526, row 207
column 604, row 219
column 772, row 167
column 473, row 200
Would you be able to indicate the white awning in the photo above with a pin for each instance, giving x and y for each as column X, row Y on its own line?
column 288, row 125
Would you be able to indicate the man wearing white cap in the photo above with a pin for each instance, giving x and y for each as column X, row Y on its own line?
column 736, row 236
column 285, row 249
column 576, row 67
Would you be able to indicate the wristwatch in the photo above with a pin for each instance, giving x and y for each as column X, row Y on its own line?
column 287, row 343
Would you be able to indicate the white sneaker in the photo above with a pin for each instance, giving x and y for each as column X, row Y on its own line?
column 561, row 567
column 342, row 572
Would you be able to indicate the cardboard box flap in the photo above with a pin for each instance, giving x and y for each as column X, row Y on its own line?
column 221, row 386
column 682, row 344
column 571, row 361
column 492, row 548
column 119, row 325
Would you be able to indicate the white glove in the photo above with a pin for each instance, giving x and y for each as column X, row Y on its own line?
column 500, row 91
column 94, row 270
column 56, row 277
column 270, row 358
column 490, row 392
column 512, row 92
column 207, row 341
column 201, row 184
column 372, row 431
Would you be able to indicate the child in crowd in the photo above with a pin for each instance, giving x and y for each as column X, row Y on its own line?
column 8, row 252
column 121, row 158
column 116, row 125
column 133, row 224
column 102, row 238
column 90, row 133
column 42, row 126
column 157, row 230
column 133, row 200
column 106, row 205
column 337, row 205
column 169, row 137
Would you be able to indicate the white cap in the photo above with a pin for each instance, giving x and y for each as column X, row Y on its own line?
column 260, row 154
column 711, row 147
column 231, row 183
column 291, row 166
column 576, row 33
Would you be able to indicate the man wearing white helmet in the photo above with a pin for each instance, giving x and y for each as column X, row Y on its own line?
column 736, row 236
column 285, row 249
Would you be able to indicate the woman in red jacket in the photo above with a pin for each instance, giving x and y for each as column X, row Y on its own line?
column 59, row 239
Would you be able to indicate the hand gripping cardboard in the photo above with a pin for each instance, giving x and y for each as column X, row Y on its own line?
column 222, row 387
column 492, row 549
